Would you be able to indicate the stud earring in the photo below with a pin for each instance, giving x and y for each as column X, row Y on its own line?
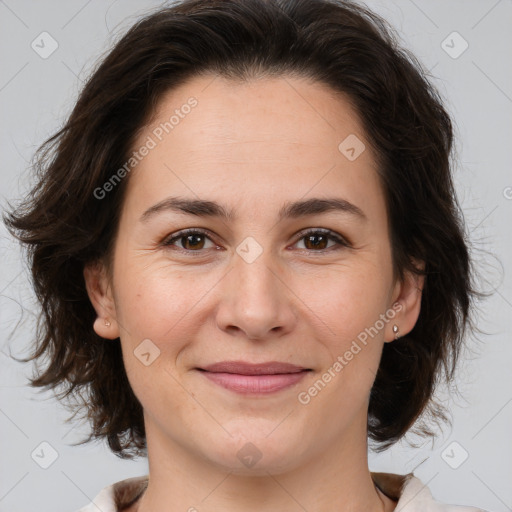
column 395, row 330
column 107, row 323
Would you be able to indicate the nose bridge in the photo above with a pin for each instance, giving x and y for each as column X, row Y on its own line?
column 258, row 302
column 255, row 279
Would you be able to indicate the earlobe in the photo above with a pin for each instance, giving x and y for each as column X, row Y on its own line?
column 100, row 294
column 105, row 328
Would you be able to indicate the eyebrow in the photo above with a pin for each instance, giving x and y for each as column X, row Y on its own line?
column 290, row 210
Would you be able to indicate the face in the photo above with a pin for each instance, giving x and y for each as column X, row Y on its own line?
column 298, row 271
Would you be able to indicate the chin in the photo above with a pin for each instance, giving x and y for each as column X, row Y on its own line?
column 257, row 453
column 262, row 464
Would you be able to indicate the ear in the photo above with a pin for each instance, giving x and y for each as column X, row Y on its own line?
column 101, row 297
column 406, row 303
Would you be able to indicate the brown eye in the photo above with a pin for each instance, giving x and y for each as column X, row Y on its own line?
column 317, row 240
column 195, row 241
column 191, row 240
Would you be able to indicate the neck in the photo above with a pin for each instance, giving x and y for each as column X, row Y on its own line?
column 336, row 479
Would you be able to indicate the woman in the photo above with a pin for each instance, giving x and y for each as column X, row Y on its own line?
column 249, row 254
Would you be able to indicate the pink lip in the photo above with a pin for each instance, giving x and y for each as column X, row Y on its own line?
column 244, row 377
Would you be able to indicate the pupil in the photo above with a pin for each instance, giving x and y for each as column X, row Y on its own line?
column 192, row 237
column 311, row 238
column 193, row 240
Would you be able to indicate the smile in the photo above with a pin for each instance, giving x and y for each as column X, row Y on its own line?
column 255, row 384
column 248, row 378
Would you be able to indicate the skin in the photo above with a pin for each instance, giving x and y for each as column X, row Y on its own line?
column 252, row 147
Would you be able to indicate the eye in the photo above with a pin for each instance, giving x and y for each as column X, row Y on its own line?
column 190, row 240
column 315, row 240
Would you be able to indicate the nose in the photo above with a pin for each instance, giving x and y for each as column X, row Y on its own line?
column 255, row 300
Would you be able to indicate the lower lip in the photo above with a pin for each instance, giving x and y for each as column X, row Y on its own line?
column 255, row 384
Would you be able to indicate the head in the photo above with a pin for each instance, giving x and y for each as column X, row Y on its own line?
column 200, row 115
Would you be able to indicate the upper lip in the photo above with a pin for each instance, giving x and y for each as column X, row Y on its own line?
column 244, row 368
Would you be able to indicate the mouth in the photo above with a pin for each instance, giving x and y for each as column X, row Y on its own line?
column 247, row 378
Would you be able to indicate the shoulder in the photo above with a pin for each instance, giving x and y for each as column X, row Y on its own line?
column 412, row 495
column 117, row 494
column 103, row 501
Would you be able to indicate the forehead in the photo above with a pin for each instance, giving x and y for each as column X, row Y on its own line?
column 253, row 141
column 283, row 110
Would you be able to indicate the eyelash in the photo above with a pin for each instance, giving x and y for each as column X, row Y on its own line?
column 340, row 241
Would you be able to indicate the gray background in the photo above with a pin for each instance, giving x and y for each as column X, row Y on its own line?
column 36, row 94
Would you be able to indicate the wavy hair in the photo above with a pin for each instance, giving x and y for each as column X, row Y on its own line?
column 338, row 43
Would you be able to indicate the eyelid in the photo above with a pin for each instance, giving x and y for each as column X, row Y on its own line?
column 166, row 242
column 339, row 239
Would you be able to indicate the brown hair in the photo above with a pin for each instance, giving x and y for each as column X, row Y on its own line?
column 337, row 43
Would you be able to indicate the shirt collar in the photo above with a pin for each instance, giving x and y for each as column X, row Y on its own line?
column 129, row 491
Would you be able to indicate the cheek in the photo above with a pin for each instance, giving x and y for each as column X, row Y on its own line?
column 347, row 300
column 351, row 311
column 350, row 303
column 153, row 301
column 155, row 326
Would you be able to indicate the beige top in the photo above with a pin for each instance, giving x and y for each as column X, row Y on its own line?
column 408, row 491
